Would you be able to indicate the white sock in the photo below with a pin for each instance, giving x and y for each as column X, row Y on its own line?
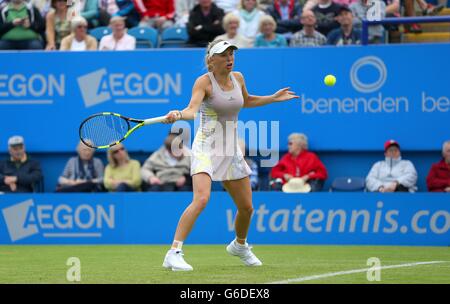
column 177, row 245
column 239, row 244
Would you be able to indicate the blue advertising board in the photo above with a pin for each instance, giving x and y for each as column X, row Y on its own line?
column 381, row 92
column 318, row 218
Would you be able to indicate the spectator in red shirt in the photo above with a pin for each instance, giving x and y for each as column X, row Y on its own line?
column 438, row 179
column 299, row 162
column 156, row 13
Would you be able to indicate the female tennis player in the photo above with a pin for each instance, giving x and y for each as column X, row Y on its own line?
column 219, row 95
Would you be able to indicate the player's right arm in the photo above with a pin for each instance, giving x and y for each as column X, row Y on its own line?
column 198, row 94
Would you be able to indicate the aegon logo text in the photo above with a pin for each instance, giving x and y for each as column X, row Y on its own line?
column 100, row 86
column 31, row 89
column 57, row 221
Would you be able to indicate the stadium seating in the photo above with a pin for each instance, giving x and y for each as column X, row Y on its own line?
column 174, row 37
column 146, row 37
column 99, row 32
column 347, row 183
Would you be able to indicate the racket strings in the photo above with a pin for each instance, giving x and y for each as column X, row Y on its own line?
column 103, row 130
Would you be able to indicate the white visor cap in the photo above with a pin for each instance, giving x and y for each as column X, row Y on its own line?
column 221, row 47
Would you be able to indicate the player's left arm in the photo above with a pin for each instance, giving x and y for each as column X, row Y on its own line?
column 251, row 101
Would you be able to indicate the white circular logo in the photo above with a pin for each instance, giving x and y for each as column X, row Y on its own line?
column 368, row 87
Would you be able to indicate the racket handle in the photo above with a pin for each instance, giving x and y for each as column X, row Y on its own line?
column 154, row 120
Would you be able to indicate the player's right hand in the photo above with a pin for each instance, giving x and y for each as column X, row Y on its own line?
column 172, row 116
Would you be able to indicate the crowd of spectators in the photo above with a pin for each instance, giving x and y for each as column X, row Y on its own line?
column 168, row 169
column 53, row 24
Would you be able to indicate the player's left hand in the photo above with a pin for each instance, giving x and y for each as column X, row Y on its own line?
column 284, row 95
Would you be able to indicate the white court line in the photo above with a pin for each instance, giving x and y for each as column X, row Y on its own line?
column 339, row 273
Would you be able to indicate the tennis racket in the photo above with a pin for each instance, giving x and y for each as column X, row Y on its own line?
column 107, row 129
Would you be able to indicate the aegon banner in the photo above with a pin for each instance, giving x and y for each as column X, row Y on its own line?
column 381, row 92
column 318, row 218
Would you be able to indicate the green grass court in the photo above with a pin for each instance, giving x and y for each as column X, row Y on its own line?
column 142, row 264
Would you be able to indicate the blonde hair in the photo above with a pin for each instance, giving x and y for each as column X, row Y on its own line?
column 267, row 19
column 207, row 58
column 111, row 160
column 256, row 6
column 228, row 19
column 299, row 138
column 445, row 144
column 76, row 21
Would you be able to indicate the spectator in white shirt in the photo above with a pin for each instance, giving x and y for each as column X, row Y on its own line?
column 118, row 40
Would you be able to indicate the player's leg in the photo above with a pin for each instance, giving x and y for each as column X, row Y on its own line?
column 202, row 189
column 241, row 193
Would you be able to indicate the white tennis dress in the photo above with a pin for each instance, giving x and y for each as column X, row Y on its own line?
column 215, row 149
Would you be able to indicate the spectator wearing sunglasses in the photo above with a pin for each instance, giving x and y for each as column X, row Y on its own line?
column 79, row 40
column 122, row 174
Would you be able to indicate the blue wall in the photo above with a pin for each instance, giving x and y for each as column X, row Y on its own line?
column 46, row 99
column 279, row 218
column 381, row 92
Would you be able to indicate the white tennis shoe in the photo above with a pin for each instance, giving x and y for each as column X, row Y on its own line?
column 245, row 253
column 174, row 260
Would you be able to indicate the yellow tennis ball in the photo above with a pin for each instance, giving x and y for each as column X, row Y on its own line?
column 329, row 80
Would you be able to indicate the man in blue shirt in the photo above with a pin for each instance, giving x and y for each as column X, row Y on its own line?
column 346, row 34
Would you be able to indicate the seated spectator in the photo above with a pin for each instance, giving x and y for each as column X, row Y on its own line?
column 310, row 4
column 79, row 40
column 19, row 173
column 43, row 6
column 392, row 174
column 168, row 169
column 299, row 162
column 57, row 24
column 287, row 15
column 182, row 9
column 205, row 23
column 346, row 34
column 21, row 27
column 254, row 176
column 426, row 8
column 231, row 26
column 122, row 174
column 118, row 40
column 227, row 6
column 158, row 14
column 89, row 10
column 438, row 179
column 360, row 10
column 268, row 37
column 122, row 8
column 82, row 173
column 308, row 36
column 326, row 12
column 250, row 15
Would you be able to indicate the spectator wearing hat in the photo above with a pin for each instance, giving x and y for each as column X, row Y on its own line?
column 118, row 40
column 299, row 162
column 19, row 173
column 392, row 174
column 346, row 34
column 79, row 40
column 326, row 12
column 438, row 179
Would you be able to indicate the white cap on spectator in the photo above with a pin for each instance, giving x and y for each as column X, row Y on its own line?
column 221, row 47
column 15, row 140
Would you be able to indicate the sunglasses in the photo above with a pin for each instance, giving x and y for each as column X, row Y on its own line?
column 120, row 149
